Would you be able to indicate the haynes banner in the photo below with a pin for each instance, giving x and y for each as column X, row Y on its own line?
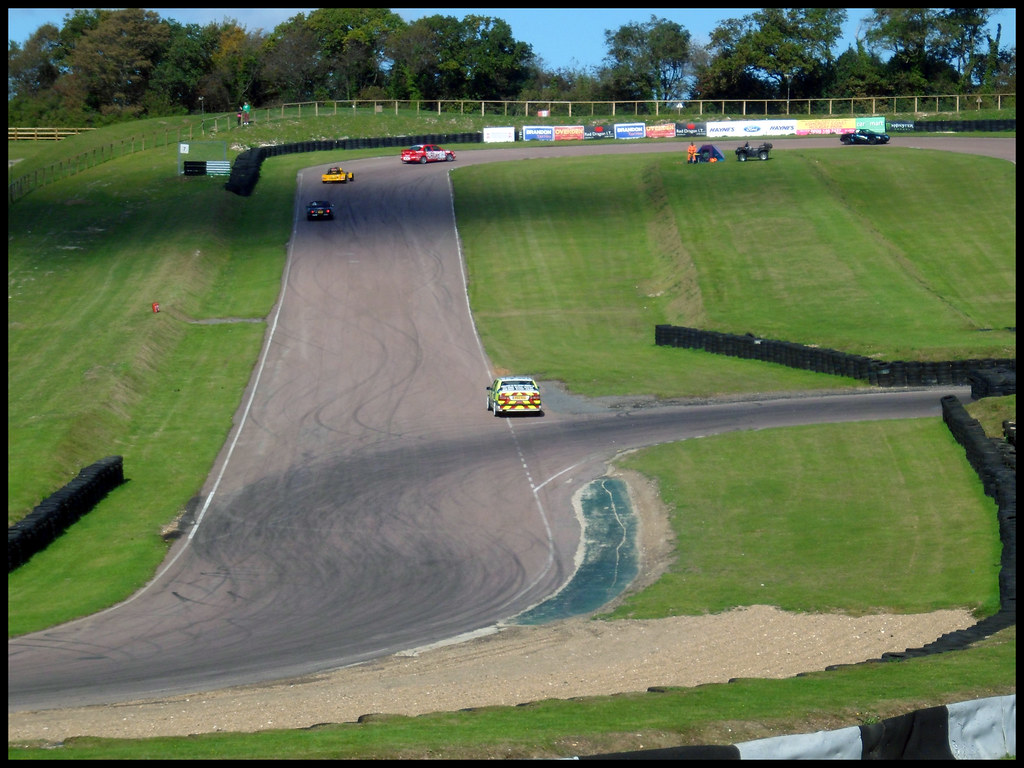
column 748, row 129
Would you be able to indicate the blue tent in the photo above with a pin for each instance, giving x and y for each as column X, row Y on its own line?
column 707, row 151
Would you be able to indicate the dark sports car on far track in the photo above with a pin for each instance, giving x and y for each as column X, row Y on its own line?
column 864, row 136
column 319, row 209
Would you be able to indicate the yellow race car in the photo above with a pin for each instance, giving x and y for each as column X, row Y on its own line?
column 337, row 176
column 514, row 394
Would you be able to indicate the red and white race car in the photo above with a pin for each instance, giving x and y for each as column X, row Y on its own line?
column 426, row 153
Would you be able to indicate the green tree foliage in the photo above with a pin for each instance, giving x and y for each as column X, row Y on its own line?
column 1000, row 73
column 858, row 73
column 234, row 67
column 293, row 69
column 647, row 61
column 563, row 84
column 915, row 40
column 965, row 44
column 34, row 68
column 772, row 53
column 103, row 65
column 496, row 65
column 174, row 85
column 442, row 57
column 62, row 102
column 115, row 59
column 415, row 60
column 352, row 44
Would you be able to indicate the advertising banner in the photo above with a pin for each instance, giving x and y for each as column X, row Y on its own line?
column 875, row 123
column 568, row 132
column 691, row 129
column 494, row 135
column 781, row 127
column 748, row 129
column 538, row 133
column 630, row 130
column 664, row 131
column 599, row 132
column 825, row 126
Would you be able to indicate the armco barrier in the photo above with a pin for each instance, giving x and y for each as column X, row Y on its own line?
column 54, row 514
column 896, row 373
column 245, row 171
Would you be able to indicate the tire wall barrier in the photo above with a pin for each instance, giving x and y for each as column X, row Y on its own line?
column 994, row 459
column 54, row 514
column 245, row 171
column 962, row 126
column 1000, row 375
column 983, row 729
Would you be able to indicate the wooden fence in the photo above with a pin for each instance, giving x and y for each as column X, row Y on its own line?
column 66, row 167
column 691, row 108
column 43, row 134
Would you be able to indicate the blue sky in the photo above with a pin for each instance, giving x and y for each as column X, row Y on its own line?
column 562, row 37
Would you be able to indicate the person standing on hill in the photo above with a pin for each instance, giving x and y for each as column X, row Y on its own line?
column 245, row 112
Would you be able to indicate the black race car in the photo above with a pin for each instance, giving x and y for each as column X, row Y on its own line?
column 864, row 136
column 320, row 209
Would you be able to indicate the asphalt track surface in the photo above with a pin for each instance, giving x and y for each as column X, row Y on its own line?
column 366, row 502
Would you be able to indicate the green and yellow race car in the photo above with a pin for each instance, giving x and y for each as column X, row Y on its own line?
column 514, row 394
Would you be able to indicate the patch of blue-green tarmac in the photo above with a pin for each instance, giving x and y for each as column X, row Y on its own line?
column 610, row 555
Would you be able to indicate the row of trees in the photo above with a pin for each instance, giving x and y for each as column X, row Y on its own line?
column 104, row 65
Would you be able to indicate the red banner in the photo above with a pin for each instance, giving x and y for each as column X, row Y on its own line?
column 568, row 132
column 666, row 131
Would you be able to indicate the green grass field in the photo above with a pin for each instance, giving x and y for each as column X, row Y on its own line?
column 585, row 259
column 848, row 254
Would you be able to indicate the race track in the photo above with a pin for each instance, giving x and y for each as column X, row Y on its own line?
column 366, row 502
